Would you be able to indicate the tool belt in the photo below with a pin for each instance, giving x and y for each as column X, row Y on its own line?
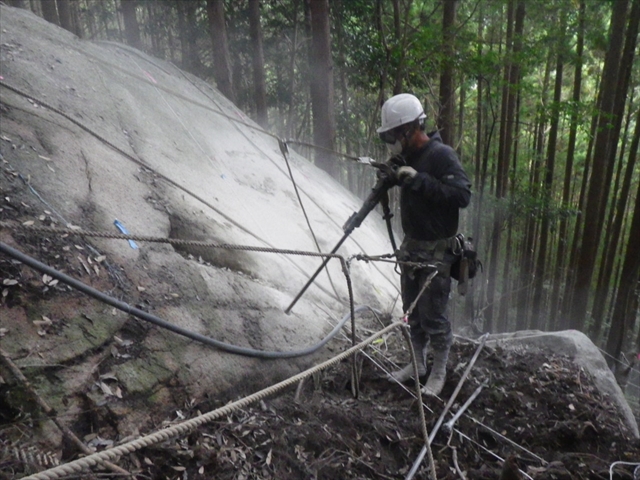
column 428, row 251
column 433, row 249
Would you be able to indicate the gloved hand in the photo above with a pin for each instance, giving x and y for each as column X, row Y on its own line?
column 396, row 161
column 405, row 173
column 386, row 172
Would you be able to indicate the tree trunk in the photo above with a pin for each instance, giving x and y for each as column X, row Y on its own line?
column 75, row 19
column 539, row 306
column 18, row 3
column 503, row 155
column 290, row 126
column 343, row 82
column 131, row 28
column 622, row 314
column 568, row 177
column 64, row 13
column 259, row 85
column 50, row 11
column 596, row 198
column 221, row 59
column 624, row 77
column 321, row 83
column 447, row 97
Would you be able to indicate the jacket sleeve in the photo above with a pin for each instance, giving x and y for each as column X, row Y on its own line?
column 448, row 184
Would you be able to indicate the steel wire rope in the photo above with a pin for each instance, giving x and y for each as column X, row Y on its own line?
column 632, row 464
column 148, row 167
column 285, row 154
column 84, row 288
column 282, row 144
column 187, row 426
column 619, row 362
column 252, row 126
column 235, row 122
column 199, row 243
column 283, row 148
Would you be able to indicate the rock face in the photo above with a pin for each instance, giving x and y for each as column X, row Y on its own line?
column 94, row 132
column 577, row 346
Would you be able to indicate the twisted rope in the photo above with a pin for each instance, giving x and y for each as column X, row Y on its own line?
column 189, row 425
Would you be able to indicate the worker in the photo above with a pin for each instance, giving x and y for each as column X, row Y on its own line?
column 433, row 189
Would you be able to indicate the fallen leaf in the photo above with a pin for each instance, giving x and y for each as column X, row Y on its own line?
column 9, row 282
column 28, row 223
column 105, row 389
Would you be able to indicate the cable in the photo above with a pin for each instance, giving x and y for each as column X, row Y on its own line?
column 84, row 288
column 190, row 425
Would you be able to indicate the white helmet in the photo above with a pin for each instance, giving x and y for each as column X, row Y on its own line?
column 400, row 109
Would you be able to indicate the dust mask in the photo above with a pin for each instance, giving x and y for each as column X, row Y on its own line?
column 395, row 148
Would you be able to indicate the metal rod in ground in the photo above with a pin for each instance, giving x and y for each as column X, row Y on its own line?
column 423, row 421
column 422, row 453
column 449, row 425
column 316, row 273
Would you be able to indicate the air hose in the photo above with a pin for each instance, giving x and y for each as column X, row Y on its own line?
column 141, row 314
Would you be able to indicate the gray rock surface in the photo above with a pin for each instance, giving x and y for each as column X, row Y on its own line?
column 168, row 156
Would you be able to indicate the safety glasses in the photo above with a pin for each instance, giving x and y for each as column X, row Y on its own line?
column 388, row 136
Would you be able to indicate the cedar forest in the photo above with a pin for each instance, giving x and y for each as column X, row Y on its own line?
column 541, row 99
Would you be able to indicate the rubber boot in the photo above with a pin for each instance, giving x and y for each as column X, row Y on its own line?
column 438, row 374
column 406, row 373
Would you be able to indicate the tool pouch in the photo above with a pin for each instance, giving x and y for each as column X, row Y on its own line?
column 467, row 263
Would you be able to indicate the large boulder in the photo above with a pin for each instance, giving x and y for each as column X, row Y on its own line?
column 96, row 131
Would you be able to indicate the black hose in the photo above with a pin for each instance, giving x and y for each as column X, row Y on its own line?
column 84, row 288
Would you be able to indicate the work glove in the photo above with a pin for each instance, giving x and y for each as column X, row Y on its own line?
column 405, row 174
column 396, row 161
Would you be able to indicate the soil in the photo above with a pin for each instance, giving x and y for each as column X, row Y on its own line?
column 539, row 411
column 558, row 426
column 542, row 413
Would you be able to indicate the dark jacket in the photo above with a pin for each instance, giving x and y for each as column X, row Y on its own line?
column 430, row 202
